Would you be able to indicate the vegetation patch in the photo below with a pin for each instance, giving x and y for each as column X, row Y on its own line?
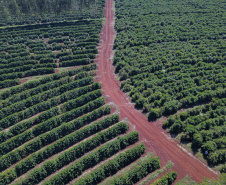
column 170, row 56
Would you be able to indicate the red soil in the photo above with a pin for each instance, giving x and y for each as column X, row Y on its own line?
column 56, row 70
column 73, row 67
column 23, row 81
column 46, row 40
column 156, row 140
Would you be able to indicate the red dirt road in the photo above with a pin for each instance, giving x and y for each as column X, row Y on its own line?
column 156, row 140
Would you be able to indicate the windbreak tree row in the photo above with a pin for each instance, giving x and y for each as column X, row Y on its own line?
column 19, row 12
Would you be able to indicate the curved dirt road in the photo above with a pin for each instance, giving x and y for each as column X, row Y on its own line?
column 156, row 140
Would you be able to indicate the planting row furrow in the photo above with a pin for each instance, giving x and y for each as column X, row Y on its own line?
column 61, row 87
column 24, row 125
column 9, row 83
column 45, row 139
column 47, row 125
column 51, row 166
column 43, row 106
column 79, row 56
column 36, row 158
column 41, row 91
column 138, row 172
column 76, row 62
column 112, row 166
column 26, row 69
column 17, row 62
column 34, row 83
column 91, row 159
column 21, row 127
column 65, row 142
column 32, row 72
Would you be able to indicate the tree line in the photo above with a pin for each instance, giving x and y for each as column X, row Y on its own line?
column 33, row 11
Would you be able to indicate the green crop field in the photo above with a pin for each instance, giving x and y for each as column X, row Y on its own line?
column 59, row 126
column 55, row 127
column 170, row 56
column 39, row 49
column 57, row 123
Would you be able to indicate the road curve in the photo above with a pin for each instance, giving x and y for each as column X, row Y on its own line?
column 155, row 138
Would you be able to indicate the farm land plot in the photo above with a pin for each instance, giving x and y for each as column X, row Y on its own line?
column 58, row 129
column 56, row 124
column 170, row 56
column 39, row 49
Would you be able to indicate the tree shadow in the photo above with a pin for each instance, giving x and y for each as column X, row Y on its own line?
column 194, row 149
column 173, row 135
column 152, row 119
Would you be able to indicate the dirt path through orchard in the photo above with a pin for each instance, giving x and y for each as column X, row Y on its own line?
column 156, row 140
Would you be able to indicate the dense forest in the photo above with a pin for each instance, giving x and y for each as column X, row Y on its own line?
column 16, row 12
column 170, row 56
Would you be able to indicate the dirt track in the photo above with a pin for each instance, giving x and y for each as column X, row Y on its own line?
column 156, row 140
